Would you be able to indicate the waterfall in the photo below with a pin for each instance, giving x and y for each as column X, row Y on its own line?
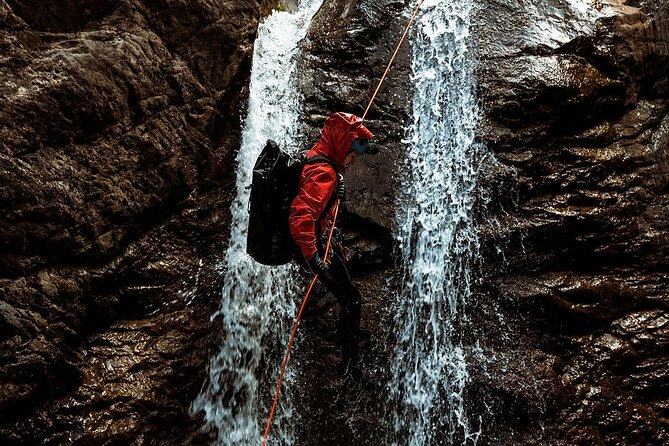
column 257, row 306
column 438, row 242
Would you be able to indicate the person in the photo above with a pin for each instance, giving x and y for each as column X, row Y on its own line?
column 343, row 138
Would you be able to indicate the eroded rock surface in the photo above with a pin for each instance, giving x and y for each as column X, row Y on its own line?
column 577, row 113
column 572, row 318
column 119, row 120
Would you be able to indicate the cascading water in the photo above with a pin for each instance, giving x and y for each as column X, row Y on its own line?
column 437, row 234
column 257, row 308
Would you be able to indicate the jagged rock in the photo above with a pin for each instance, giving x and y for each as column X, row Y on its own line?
column 118, row 125
column 577, row 110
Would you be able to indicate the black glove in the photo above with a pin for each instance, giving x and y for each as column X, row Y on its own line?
column 341, row 190
column 318, row 266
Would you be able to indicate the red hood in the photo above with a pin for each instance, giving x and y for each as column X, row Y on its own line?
column 337, row 136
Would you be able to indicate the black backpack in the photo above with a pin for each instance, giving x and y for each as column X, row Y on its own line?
column 276, row 182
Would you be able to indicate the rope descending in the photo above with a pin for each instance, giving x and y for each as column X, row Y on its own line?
column 392, row 59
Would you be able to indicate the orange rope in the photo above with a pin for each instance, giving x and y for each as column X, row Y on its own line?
column 392, row 59
column 292, row 335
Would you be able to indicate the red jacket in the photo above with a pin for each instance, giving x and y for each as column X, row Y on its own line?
column 319, row 180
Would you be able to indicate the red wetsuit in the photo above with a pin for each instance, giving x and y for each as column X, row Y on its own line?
column 319, row 180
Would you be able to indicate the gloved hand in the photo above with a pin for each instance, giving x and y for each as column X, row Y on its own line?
column 341, row 190
column 318, row 265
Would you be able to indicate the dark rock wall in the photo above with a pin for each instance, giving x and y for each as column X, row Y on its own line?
column 572, row 316
column 118, row 124
column 578, row 113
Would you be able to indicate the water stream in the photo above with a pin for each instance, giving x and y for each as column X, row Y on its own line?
column 437, row 234
column 257, row 308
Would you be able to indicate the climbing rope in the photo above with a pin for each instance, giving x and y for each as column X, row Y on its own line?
column 327, row 247
column 392, row 59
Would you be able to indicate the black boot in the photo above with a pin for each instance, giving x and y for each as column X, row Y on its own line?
column 349, row 328
column 343, row 338
column 350, row 360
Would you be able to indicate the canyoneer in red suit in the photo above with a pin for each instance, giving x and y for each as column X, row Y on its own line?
column 343, row 138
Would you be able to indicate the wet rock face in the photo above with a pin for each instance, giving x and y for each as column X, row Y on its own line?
column 118, row 122
column 577, row 112
column 573, row 318
column 61, row 16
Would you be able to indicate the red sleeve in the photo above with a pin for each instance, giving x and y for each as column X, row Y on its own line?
column 317, row 183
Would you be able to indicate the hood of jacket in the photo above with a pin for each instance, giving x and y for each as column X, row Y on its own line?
column 337, row 136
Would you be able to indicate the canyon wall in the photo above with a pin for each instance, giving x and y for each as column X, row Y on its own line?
column 577, row 112
column 120, row 121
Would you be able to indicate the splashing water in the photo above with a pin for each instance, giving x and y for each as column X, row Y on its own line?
column 257, row 309
column 437, row 234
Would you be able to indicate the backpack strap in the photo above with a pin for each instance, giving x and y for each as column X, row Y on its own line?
column 321, row 159
column 324, row 159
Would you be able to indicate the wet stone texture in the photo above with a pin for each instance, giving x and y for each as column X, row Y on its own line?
column 118, row 124
column 577, row 112
column 569, row 325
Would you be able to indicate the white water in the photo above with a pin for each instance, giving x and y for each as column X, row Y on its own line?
column 257, row 306
column 437, row 234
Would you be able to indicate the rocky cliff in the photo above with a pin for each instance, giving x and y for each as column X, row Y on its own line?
column 119, row 123
column 119, row 120
column 577, row 113
column 571, row 317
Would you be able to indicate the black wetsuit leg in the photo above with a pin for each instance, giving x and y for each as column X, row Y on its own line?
column 338, row 282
